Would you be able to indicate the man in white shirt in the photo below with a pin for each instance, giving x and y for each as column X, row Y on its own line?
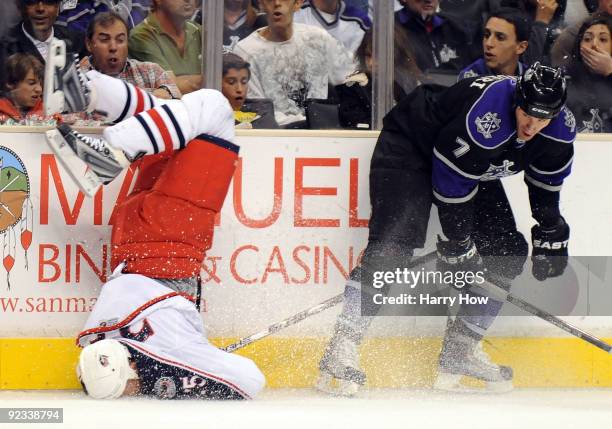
column 291, row 63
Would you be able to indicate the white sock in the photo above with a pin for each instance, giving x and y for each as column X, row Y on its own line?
column 117, row 99
column 171, row 125
column 161, row 129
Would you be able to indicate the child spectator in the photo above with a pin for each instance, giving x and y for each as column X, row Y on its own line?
column 22, row 100
column 248, row 113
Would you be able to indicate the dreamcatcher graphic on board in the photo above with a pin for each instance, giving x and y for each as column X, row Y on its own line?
column 16, row 210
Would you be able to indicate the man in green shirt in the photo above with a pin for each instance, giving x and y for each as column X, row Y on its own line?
column 168, row 38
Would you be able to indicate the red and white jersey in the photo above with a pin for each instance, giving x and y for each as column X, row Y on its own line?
column 165, row 335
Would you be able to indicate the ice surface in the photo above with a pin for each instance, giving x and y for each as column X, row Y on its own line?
column 303, row 408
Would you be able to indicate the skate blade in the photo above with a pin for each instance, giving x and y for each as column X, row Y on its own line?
column 53, row 101
column 446, row 382
column 87, row 181
column 336, row 387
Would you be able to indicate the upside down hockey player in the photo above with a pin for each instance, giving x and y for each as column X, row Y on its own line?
column 451, row 146
column 145, row 335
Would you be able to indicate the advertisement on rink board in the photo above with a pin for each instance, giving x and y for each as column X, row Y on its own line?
column 293, row 226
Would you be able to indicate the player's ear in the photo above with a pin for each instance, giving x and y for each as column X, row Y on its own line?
column 297, row 5
column 522, row 47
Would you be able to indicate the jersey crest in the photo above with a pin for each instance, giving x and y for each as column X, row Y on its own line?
column 498, row 171
column 447, row 54
column 165, row 388
column 488, row 124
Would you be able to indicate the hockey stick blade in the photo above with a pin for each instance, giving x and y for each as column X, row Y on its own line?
column 498, row 292
column 87, row 181
column 328, row 303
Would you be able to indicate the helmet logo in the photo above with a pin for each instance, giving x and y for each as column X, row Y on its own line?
column 488, row 124
column 103, row 359
column 570, row 119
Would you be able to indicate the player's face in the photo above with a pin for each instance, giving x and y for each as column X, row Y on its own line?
column 501, row 48
column 527, row 127
column 27, row 93
column 109, row 48
column 597, row 38
column 425, row 8
column 132, row 388
column 280, row 12
column 234, row 87
column 177, row 9
column 41, row 15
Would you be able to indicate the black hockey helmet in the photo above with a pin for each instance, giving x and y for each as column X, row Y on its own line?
column 541, row 91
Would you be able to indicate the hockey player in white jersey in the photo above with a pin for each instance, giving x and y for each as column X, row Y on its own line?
column 145, row 335
column 144, row 338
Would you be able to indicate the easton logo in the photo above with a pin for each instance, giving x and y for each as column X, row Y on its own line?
column 16, row 209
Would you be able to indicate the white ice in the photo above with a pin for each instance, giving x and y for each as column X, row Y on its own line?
column 304, row 408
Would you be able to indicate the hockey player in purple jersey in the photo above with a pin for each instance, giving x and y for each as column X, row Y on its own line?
column 451, row 146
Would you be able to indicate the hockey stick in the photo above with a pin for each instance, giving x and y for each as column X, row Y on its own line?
column 493, row 287
column 329, row 303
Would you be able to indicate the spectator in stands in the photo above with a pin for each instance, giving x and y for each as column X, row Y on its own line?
column 590, row 91
column 33, row 34
column 438, row 42
column 107, row 41
column 9, row 16
column 291, row 63
column 506, row 36
column 168, row 38
column 561, row 52
column 22, row 98
column 240, row 20
column 347, row 24
column 248, row 113
column 76, row 15
column 548, row 21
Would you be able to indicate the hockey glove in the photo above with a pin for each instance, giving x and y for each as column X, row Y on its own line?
column 549, row 256
column 462, row 259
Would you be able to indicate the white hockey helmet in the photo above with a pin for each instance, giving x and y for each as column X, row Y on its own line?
column 104, row 369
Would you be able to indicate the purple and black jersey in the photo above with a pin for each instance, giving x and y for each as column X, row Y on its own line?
column 470, row 131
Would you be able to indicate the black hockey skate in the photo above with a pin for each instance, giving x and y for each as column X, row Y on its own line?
column 76, row 151
column 65, row 87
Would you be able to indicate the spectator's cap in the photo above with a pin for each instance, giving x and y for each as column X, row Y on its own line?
column 521, row 22
column 541, row 91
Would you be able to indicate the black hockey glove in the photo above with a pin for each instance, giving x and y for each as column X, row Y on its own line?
column 549, row 256
column 462, row 259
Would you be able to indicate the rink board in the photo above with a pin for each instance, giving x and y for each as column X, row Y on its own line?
column 293, row 225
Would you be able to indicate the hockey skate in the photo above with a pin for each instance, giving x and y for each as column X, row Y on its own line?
column 463, row 356
column 76, row 152
column 339, row 367
column 65, row 86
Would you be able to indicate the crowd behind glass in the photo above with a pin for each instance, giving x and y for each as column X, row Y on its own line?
column 306, row 64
